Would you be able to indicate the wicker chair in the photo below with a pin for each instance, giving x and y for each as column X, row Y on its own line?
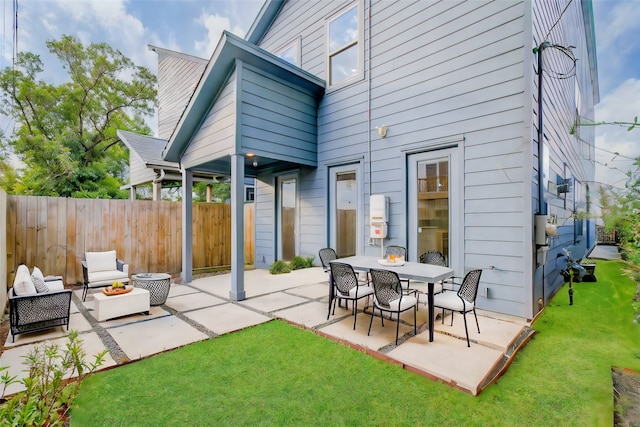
column 37, row 312
column 389, row 296
column 345, row 286
column 462, row 301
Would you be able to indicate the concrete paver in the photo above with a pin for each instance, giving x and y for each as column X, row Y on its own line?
column 141, row 339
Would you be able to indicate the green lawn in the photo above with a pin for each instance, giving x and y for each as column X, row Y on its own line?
column 277, row 374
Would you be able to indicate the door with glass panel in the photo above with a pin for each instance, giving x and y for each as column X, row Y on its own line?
column 344, row 202
column 288, row 217
column 431, row 201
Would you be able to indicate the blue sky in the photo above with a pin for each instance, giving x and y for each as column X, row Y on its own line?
column 194, row 27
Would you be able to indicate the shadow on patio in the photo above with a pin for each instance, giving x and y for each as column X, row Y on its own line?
column 202, row 310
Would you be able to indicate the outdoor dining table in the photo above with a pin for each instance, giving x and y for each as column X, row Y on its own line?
column 409, row 270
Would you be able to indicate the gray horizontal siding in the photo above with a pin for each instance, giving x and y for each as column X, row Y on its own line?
column 278, row 119
column 138, row 172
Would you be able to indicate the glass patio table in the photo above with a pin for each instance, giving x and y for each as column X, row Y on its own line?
column 409, row 270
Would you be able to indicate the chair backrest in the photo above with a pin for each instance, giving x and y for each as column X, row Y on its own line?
column 326, row 255
column 386, row 286
column 469, row 288
column 343, row 276
column 434, row 258
column 397, row 251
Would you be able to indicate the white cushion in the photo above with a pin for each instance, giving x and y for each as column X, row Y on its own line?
column 361, row 291
column 451, row 301
column 22, row 284
column 101, row 278
column 41, row 287
column 404, row 303
column 54, row 285
column 101, row 261
column 37, row 273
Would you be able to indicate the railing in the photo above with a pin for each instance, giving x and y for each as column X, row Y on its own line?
column 54, row 233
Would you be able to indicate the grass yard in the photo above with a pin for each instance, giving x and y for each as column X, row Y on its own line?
column 277, row 374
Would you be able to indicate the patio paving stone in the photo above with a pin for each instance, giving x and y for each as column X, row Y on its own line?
column 273, row 302
column 310, row 315
column 225, row 318
column 315, row 291
column 449, row 359
column 13, row 358
column 176, row 290
column 193, row 301
column 141, row 339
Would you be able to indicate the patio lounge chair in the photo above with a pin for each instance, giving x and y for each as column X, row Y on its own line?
column 389, row 296
column 101, row 269
column 35, row 308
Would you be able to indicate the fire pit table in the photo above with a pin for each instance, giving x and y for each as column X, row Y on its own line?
column 156, row 283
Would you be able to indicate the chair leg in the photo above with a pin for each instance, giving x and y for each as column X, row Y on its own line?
column 464, row 315
column 415, row 320
column 373, row 311
column 84, row 292
column 477, row 324
column 397, row 327
column 452, row 313
column 355, row 314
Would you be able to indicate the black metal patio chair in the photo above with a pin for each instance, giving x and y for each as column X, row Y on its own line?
column 389, row 296
column 345, row 286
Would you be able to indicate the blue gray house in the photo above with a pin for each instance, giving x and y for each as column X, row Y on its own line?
column 464, row 115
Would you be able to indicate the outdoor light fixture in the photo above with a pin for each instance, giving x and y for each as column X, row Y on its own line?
column 382, row 130
column 255, row 163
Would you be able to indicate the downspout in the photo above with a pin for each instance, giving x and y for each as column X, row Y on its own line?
column 542, row 206
column 369, row 92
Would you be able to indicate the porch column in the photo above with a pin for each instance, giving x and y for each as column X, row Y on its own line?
column 237, row 228
column 157, row 191
column 210, row 193
column 132, row 193
column 187, row 225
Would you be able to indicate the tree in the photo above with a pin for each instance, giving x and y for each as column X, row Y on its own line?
column 621, row 212
column 220, row 191
column 66, row 134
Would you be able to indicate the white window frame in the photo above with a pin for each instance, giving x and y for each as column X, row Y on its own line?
column 359, row 75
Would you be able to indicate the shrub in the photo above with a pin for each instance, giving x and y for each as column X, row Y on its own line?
column 280, row 267
column 299, row 262
column 53, row 384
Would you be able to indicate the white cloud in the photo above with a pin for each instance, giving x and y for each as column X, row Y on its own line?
column 621, row 105
column 215, row 25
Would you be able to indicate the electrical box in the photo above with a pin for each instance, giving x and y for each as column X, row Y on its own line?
column 378, row 216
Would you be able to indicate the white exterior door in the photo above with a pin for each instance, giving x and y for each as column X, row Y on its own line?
column 344, row 208
column 434, row 210
column 287, row 217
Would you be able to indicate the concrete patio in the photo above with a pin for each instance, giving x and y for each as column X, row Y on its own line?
column 201, row 310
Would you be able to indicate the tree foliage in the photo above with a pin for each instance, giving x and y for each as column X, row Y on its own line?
column 66, row 134
column 621, row 212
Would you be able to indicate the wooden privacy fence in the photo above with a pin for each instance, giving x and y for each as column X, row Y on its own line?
column 54, row 233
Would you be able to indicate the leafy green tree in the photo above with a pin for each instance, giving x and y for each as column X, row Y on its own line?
column 220, row 192
column 621, row 212
column 66, row 134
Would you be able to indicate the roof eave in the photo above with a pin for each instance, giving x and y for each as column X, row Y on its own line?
column 229, row 49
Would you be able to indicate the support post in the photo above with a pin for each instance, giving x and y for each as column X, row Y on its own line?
column 237, row 292
column 187, row 226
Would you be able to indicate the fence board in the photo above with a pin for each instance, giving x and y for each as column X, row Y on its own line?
column 54, row 234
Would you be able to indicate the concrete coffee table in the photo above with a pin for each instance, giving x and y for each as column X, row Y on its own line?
column 157, row 284
column 110, row 306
